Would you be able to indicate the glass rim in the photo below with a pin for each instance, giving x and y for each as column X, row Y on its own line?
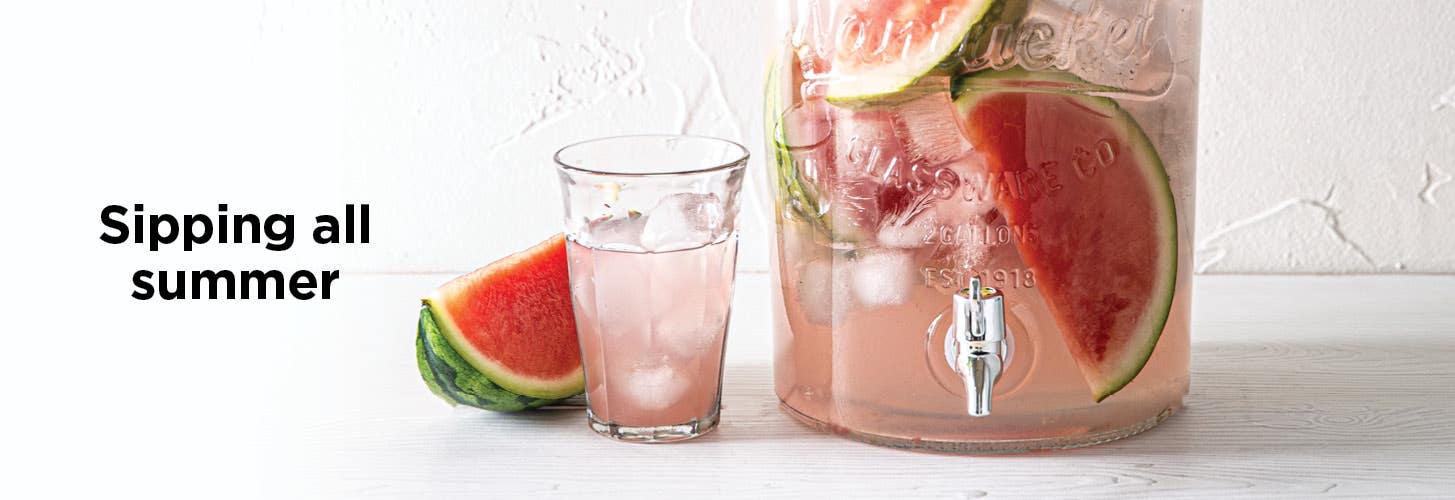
column 740, row 159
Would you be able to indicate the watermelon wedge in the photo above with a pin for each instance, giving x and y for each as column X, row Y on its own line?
column 1105, row 259
column 504, row 337
column 455, row 380
column 885, row 46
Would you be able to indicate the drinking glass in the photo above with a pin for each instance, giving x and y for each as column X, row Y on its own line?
column 652, row 244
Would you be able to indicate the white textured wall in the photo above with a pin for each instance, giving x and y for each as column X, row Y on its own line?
column 1327, row 136
column 1328, row 126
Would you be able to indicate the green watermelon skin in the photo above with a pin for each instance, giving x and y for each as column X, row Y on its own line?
column 876, row 70
column 451, row 378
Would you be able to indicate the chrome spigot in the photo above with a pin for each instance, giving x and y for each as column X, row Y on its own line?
column 979, row 332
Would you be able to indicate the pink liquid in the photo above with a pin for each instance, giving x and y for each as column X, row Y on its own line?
column 652, row 327
column 877, row 374
column 855, row 352
column 854, row 349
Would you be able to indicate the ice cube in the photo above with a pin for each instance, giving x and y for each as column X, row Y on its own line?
column 690, row 307
column 689, row 325
column 654, row 385
column 870, row 174
column 866, row 145
column 682, row 221
column 882, row 277
column 930, row 130
column 823, row 290
column 689, row 295
column 620, row 233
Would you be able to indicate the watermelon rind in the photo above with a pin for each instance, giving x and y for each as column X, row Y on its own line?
column 1113, row 374
column 451, row 377
column 797, row 200
column 1154, row 318
column 883, row 81
column 524, row 385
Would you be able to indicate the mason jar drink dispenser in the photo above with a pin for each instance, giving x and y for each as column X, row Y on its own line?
column 983, row 218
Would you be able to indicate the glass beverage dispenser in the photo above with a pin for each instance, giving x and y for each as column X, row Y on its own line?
column 984, row 215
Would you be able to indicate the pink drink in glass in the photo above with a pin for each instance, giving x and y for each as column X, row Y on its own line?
column 652, row 245
column 652, row 327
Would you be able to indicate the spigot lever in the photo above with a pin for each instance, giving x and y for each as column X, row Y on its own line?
column 979, row 330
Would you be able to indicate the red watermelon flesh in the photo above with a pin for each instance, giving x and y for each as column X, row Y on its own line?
column 881, row 47
column 1105, row 256
column 512, row 321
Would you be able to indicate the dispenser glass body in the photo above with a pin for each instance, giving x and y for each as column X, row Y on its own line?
column 1039, row 151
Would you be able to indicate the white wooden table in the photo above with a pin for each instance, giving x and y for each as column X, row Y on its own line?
column 1302, row 387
